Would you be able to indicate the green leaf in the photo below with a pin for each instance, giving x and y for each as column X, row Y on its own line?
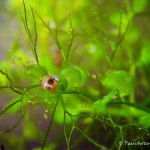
column 72, row 105
column 36, row 71
column 139, row 5
column 62, row 85
column 99, row 106
column 94, row 91
column 133, row 35
column 84, row 74
column 145, row 121
column 120, row 80
column 73, row 77
column 41, row 96
column 117, row 18
column 51, row 146
column 145, row 55
column 31, row 132
column 95, row 51
column 3, row 79
column 15, row 108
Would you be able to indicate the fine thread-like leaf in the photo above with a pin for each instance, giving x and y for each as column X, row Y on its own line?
column 14, row 126
column 120, row 23
column 15, row 90
column 6, row 75
column 9, row 106
column 21, row 116
column 14, row 103
column 80, row 92
column 64, row 125
column 49, row 125
column 55, row 38
column 134, row 105
column 109, row 99
column 36, row 35
column 33, row 42
column 70, row 35
column 90, row 139
column 119, row 40
column 74, row 127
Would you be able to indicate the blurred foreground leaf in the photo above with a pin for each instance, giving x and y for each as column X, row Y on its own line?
column 121, row 80
column 139, row 5
column 73, row 77
column 36, row 71
column 145, row 121
column 145, row 55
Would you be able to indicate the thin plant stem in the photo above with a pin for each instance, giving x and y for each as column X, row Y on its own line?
column 33, row 42
column 90, row 140
column 121, row 134
column 134, row 105
column 79, row 91
column 36, row 35
column 55, row 38
column 14, row 126
column 112, row 122
column 9, row 106
column 6, row 75
column 14, row 103
column 20, row 118
column 70, row 35
column 15, row 90
column 64, row 125
column 49, row 125
column 119, row 42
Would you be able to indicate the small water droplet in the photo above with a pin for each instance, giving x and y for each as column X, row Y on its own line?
column 104, row 97
column 46, row 110
column 45, row 116
column 71, row 146
column 114, row 97
column 52, row 24
column 93, row 76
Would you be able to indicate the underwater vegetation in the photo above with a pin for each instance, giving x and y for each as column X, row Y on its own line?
column 74, row 75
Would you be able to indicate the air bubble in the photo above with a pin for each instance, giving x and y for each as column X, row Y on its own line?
column 45, row 116
column 114, row 97
column 104, row 97
column 46, row 110
column 93, row 76
column 52, row 24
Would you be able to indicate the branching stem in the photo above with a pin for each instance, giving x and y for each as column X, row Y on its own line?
column 50, row 124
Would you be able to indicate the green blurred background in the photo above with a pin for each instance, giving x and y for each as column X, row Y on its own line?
column 107, row 35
